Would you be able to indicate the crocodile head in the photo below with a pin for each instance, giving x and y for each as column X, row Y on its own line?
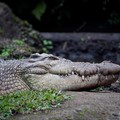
column 44, row 71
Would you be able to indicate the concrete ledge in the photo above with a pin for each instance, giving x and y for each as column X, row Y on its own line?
column 82, row 36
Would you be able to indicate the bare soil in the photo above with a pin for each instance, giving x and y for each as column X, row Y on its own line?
column 82, row 106
column 89, row 47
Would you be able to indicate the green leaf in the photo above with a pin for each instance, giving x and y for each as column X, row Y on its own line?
column 39, row 10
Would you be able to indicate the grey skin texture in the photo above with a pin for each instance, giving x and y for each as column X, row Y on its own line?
column 46, row 71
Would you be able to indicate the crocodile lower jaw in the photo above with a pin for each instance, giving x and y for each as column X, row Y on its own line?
column 69, row 81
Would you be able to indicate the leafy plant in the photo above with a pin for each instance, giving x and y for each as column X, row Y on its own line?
column 29, row 101
column 114, row 18
column 6, row 52
column 97, row 89
column 39, row 10
column 34, row 34
column 19, row 42
column 47, row 45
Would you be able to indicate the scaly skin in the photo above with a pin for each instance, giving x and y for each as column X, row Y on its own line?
column 45, row 71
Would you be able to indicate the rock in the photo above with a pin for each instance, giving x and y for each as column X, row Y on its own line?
column 13, row 29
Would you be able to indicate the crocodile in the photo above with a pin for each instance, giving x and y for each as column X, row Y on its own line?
column 46, row 71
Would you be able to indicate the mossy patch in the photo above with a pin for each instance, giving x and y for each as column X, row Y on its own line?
column 18, row 42
column 16, row 49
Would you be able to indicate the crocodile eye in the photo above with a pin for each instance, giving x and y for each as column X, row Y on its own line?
column 41, row 57
column 36, row 55
column 48, row 58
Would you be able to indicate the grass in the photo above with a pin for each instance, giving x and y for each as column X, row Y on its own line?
column 6, row 52
column 29, row 101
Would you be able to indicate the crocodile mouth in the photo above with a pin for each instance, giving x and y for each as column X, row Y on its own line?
column 83, row 77
column 69, row 81
column 71, row 76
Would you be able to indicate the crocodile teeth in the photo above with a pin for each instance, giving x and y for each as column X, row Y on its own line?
column 73, row 73
column 83, row 77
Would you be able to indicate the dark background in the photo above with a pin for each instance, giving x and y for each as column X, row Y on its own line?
column 70, row 15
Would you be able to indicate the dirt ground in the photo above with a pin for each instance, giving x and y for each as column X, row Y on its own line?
column 82, row 106
column 89, row 47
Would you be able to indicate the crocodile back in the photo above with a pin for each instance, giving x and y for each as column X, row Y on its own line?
column 11, row 74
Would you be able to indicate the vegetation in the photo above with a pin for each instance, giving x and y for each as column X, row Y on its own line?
column 18, row 42
column 97, row 89
column 47, row 45
column 114, row 18
column 15, row 45
column 29, row 101
column 39, row 10
column 45, row 15
column 6, row 51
